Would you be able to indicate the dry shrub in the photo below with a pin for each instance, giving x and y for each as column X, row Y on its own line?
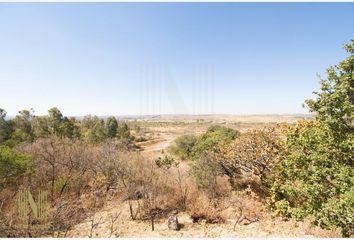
column 61, row 165
column 201, row 209
column 254, row 152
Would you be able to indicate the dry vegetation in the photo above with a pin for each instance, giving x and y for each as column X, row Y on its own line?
column 218, row 175
column 108, row 189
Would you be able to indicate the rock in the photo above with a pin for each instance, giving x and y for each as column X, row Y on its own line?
column 172, row 223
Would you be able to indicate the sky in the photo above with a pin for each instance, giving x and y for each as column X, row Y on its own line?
column 168, row 58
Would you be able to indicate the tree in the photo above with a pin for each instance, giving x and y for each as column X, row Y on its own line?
column 55, row 120
column 93, row 129
column 23, row 126
column 70, row 128
column 12, row 166
column 315, row 175
column 123, row 131
column 41, row 126
column 215, row 136
column 183, row 146
column 111, row 126
column 5, row 127
column 205, row 171
column 255, row 151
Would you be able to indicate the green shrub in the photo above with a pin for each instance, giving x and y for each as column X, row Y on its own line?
column 213, row 138
column 183, row 146
column 166, row 162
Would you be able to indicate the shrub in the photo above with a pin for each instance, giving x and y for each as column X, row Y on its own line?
column 183, row 146
column 255, row 151
column 205, row 171
column 213, row 138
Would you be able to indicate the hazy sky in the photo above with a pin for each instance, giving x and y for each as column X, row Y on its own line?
column 169, row 58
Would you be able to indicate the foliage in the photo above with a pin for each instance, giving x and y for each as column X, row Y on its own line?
column 213, row 138
column 92, row 129
column 26, row 127
column 166, row 162
column 315, row 174
column 111, row 127
column 205, row 171
column 183, row 146
column 12, row 166
column 5, row 128
column 123, row 131
column 255, row 151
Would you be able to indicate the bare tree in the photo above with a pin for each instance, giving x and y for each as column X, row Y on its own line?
column 94, row 224
column 113, row 218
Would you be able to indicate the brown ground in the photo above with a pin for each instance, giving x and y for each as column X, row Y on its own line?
column 161, row 134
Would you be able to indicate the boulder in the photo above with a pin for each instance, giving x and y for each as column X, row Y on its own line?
column 172, row 223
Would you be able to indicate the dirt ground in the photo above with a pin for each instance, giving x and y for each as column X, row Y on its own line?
column 161, row 134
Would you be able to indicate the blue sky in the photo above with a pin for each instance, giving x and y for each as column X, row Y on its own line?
column 167, row 58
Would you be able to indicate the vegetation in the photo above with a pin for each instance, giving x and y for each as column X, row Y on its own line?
column 26, row 127
column 12, row 167
column 254, row 152
column 183, row 146
column 315, row 175
column 215, row 136
column 191, row 147
column 302, row 170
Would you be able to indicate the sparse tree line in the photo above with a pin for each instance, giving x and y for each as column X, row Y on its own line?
column 26, row 127
column 299, row 170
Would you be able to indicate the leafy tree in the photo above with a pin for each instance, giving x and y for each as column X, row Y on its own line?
column 183, row 146
column 123, row 131
column 93, row 129
column 12, row 167
column 41, row 126
column 55, row 120
column 111, row 126
column 70, row 128
column 5, row 127
column 23, row 126
column 213, row 138
column 315, row 175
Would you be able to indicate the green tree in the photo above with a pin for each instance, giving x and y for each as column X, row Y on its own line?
column 55, row 120
column 215, row 136
column 183, row 146
column 93, row 129
column 23, row 126
column 70, row 128
column 123, row 131
column 12, row 167
column 315, row 175
column 111, row 126
column 5, row 127
column 41, row 126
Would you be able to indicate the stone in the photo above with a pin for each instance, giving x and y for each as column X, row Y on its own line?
column 172, row 223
